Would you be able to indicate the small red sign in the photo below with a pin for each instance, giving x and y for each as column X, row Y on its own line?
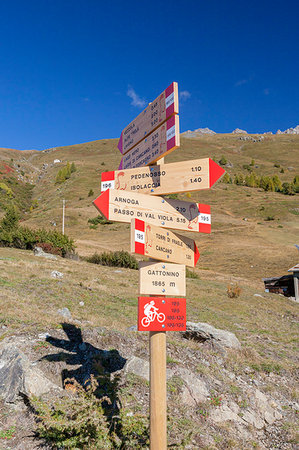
column 161, row 314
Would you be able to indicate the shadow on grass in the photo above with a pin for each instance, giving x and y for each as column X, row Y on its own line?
column 88, row 361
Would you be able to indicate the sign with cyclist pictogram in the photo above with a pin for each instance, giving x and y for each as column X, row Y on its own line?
column 161, row 314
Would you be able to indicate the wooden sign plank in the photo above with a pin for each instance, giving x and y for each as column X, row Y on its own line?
column 161, row 314
column 162, row 179
column 123, row 206
column 157, row 278
column 152, row 117
column 162, row 244
column 159, row 143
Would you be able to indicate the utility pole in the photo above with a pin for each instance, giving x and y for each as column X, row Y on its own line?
column 63, row 208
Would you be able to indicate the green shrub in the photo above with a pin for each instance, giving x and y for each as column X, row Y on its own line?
column 90, row 193
column 277, row 183
column 87, row 419
column 191, row 274
column 223, row 161
column 296, row 183
column 173, row 196
column 116, row 259
column 252, row 162
column 288, row 189
column 26, row 239
column 65, row 173
column 6, row 189
column 99, row 220
column 227, row 179
column 10, row 219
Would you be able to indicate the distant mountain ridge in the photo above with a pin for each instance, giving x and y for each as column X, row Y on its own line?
column 206, row 131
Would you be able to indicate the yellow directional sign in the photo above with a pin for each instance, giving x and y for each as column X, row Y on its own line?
column 162, row 278
column 123, row 206
column 159, row 143
column 162, row 244
column 152, row 117
column 162, row 179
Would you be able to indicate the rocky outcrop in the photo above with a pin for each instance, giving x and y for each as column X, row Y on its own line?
column 19, row 377
column 204, row 332
column 239, row 131
column 198, row 132
column 289, row 131
column 38, row 251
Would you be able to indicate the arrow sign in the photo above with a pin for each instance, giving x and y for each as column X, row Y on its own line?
column 123, row 206
column 162, row 244
column 162, row 278
column 159, row 143
column 152, row 117
column 165, row 179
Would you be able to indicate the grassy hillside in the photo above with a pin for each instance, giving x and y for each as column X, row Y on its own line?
column 253, row 236
column 253, row 231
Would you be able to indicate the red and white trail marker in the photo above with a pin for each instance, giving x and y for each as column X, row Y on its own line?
column 161, row 314
column 183, row 176
column 152, row 117
column 159, row 143
column 123, row 206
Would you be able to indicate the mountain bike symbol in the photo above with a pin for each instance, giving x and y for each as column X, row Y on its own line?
column 151, row 317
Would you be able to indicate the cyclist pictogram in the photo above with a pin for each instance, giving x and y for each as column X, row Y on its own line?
column 151, row 314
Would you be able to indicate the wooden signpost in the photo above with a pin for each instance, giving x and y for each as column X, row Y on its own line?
column 162, row 278
column 159, row 143
column 147, row 139
column 152, row 117
column 165, row 178
column 162, row 244
column 123, row 206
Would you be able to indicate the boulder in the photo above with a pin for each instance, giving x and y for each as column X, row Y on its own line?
column 138, row 367
column 194, row 390
column 39, row 252
column 18, row 377
column 204, row 332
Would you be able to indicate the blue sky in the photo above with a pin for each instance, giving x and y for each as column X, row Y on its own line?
column 73, row 71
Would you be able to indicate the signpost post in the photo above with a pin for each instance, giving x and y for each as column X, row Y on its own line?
column 131, row 194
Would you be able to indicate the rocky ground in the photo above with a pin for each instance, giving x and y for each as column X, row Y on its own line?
column 221, row 406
